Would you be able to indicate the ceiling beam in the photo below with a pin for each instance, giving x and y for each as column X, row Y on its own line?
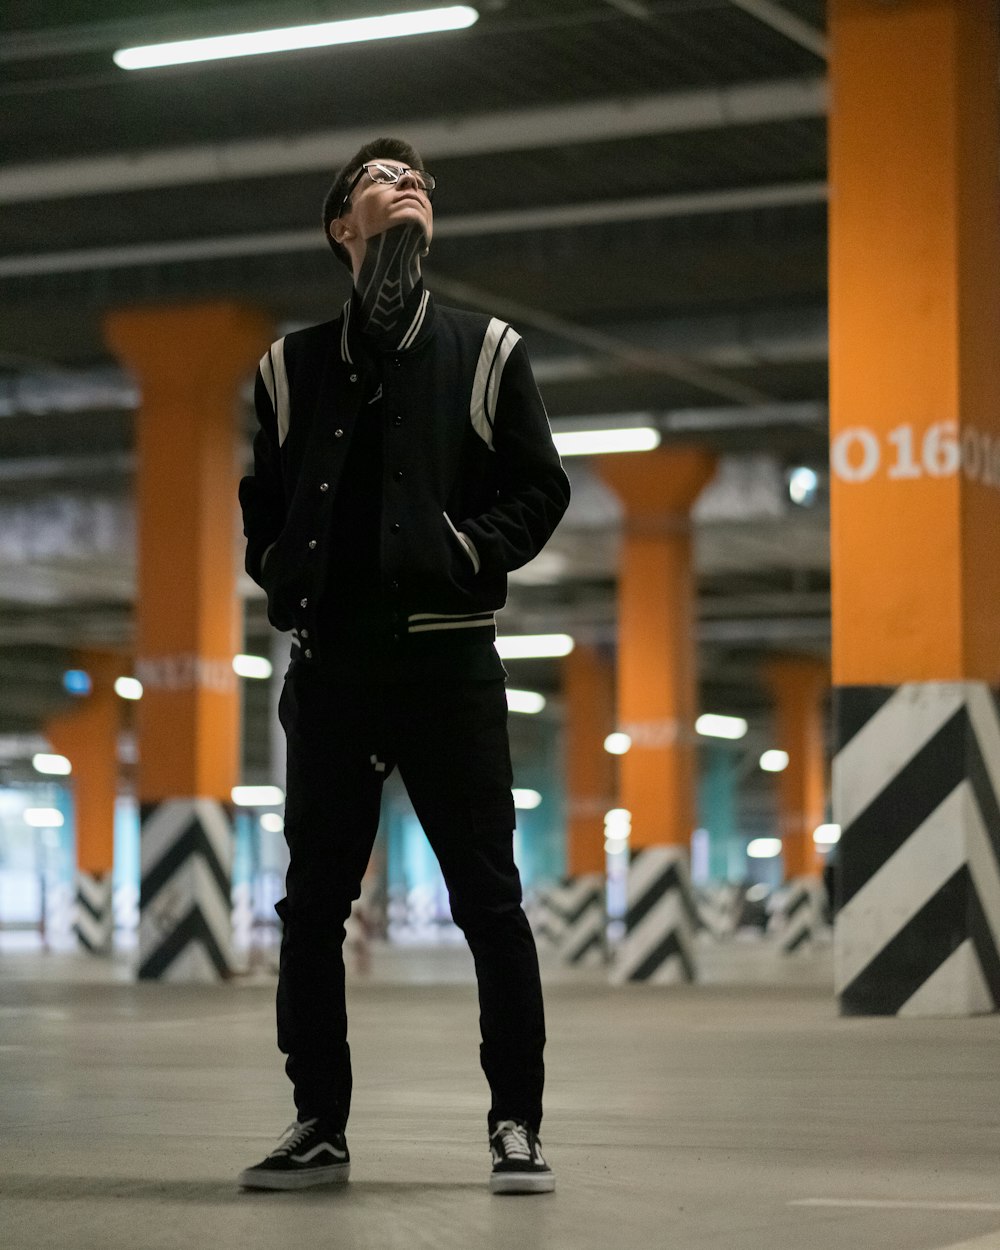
column 479, row 134
column 737, row 199
column 787, row 24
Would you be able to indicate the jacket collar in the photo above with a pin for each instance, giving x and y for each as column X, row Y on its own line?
column 418, row 326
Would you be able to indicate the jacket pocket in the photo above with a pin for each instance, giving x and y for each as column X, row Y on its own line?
column 466, row 544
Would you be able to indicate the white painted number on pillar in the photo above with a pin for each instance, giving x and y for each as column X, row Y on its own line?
column 856, row 454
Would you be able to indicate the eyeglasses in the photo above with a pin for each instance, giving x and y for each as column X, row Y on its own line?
column 388, row 175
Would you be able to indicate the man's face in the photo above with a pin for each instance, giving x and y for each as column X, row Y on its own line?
column 376, row 207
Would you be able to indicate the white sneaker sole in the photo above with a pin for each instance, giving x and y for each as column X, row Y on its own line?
column 522, row 1182
column 335, row 1174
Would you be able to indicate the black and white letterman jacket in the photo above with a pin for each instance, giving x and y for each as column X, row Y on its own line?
column 472, row 486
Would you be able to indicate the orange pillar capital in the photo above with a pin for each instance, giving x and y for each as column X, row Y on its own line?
column 657, row 679
column 188, row 361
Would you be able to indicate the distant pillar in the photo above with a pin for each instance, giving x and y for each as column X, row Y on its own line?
column 798, row 686
column 915, row 502
column 87, row 734
column 589, row 699
column 189, row 362
column 657, row 704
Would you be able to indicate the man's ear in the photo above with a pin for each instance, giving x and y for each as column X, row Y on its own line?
column 340, row 230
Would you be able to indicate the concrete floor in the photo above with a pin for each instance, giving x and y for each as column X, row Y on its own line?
column 724, row 1116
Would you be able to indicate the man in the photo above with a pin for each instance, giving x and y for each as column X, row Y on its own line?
column 403, row 466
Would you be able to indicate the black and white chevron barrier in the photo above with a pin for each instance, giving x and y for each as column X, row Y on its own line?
column 545, row 915
column 718, row 910
column 795, row 920
column 916, row 781
column 93, row 922
column 185, row 911
column 660, row 919
column 584, row 935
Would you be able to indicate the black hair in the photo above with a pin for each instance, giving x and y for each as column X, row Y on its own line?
column 394, row 149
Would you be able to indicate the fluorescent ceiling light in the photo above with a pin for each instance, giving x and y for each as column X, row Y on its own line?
column 826, row 835
column 617, row 743
column 292, row 38
column 601, row 442
column 534, row 646
column 526, row 799
column 527, row 701
column 774, row 761
column 711, row 726
column 618, row 822
column 43, row 817
column 764, row 848
column 272, row 822
column 251, row 666
column 128, row 688
column 257, row 796
column 51, row 765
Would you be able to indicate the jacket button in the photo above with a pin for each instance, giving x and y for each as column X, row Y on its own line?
column 397, row 362
column 338, row 433
column 395, row 527
column 397, row 420
column 398, row 475
column 304, row 633
column 324, row 485
column 303, row 603
column 309, row 654
column 312, row 543
column 395, row 584
column 354, row 377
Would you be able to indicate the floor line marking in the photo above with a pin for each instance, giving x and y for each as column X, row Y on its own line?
column 895, row 1204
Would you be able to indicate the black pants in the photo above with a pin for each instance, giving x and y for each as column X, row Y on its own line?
column 450, row 745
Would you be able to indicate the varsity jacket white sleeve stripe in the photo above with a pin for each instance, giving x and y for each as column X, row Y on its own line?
column 498, row 343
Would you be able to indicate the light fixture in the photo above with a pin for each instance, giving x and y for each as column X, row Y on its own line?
column 77, row 681
column 710, row 725
column 617, row 743
column 617, row 830
column 128, row 688
column 764, row 848
column 774, row 761
column 534, row 646
column 43, row 817
column 251, row 666
column 294, row 38
column 603, row 442
column 257, row 796
column 530, row 702
column 826, row 835
column 803, row 485
column 525, row 800
column 51, row 765
column 271, row 822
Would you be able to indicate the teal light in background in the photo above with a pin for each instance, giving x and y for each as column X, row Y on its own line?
column 717, row 805
column 76, row 681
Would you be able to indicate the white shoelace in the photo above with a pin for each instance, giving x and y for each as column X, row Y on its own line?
column 292, row 1137
column 514, row 1138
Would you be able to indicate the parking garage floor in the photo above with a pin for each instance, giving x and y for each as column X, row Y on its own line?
column 742, row 1113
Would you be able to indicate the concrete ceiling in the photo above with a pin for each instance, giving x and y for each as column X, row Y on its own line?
column 639, row 187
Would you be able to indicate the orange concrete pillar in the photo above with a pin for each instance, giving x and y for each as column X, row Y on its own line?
column 86, row 732
column 189, row 363
column 798, row 686
column 657, row 700
column 915, row 500
column 589, row 694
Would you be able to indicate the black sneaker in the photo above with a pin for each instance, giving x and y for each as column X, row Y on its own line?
column 309, row 1153
column 518, row 1165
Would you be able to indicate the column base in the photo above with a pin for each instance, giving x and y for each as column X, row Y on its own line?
column 660, row 920
column 584, row 936
column 917, row 795
column 93, row 922
column 185, row 911
column 797, row 921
